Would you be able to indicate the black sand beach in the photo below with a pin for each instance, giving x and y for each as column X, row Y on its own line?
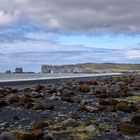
column 89, row 108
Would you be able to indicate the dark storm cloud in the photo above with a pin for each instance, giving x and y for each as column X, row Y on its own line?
column 88, row 16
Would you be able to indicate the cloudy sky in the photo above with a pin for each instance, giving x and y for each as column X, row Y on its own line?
column 57, row 32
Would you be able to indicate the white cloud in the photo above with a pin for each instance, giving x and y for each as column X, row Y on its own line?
column 30, row 46
column 75, row 15
column 41, row 36
column 132, row 54
column 8, row 18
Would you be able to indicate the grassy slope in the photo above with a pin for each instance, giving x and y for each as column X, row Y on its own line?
column 111, row 67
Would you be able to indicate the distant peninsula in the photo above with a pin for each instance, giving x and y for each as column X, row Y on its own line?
column 90, row 68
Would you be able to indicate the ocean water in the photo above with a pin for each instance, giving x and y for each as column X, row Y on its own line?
column 30, row 76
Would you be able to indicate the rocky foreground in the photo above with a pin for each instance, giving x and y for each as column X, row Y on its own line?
column 106, row 108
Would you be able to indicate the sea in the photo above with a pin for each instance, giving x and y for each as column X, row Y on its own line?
column 38, row 76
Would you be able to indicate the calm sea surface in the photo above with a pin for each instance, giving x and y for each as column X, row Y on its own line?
column 25, row 76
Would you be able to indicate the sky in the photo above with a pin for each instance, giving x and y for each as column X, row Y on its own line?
column 58, row 32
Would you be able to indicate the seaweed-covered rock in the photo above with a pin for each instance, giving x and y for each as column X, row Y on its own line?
column 84, row 88
column 67, row 93
column 39, row 125
column 26, row 136
column 123, row 106
column 12, row 99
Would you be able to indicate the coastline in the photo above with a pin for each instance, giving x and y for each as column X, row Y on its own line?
column 33, row 81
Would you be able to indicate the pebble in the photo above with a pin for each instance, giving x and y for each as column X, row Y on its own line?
column 70, row 123
column 5, row 124
column 91, row 109
column 90, row 128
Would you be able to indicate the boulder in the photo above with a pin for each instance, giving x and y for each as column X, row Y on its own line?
column 138, row 107
column 39, row 106
column 123, row 106
column 1, row 95
column 70, row 123
column 39, row 125
column 112, row 93
column 39, row 88
column 9, row 90
column 102, row 108
column 38, row 133
column 123, row 85
column 3, row 103
column 26, row 136
column 100, row 91
column 116, row 87
column 106, row 108
column 84, row 88
column 67, row 99
column 12, row 99
column 52, row 90
column 90, row 128
column 82, row 108
column 128, row 128
column 74, row 116
column 54, row 97
column 136, row 83
column 48, row 137
column 34, row 94
column 23, row 100
column 111, row 102
column 29, row 105
column 103, row 95
column 67, row 93
column 136, row 120
column 132, row 108
column 4, row 124
column 7, row 136
column 104, row 102
column 27, row 90
column 50, row 107
column 91, row 109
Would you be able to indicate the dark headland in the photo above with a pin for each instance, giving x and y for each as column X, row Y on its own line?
column 91, row 68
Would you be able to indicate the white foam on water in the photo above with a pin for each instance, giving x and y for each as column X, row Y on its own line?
column 51, row 76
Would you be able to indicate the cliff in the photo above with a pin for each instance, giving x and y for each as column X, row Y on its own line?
column 91, row 67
